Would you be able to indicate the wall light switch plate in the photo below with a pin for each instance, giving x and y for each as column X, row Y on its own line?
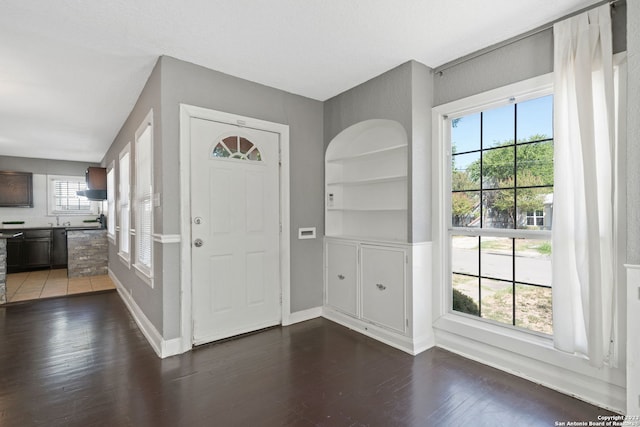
column 306, row 233
column 156, row 200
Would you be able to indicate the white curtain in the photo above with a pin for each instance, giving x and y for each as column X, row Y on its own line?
column 584, row 132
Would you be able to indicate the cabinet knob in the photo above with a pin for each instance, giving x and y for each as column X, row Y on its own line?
column 340, row 276
column 381, row 286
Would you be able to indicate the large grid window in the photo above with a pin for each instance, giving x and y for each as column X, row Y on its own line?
column 501, row 213
column 143, row 198
column 63, row 197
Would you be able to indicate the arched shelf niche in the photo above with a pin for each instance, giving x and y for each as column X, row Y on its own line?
column 366, row 182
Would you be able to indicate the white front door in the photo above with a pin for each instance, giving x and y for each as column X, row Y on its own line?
column 235, row 230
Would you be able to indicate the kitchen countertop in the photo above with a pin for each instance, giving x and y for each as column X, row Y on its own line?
column 9, row 235
column 7, row 227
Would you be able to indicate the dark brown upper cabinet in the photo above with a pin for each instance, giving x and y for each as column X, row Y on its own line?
column 16, row 189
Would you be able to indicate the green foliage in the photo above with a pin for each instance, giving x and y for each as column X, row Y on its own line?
column 544, row 248
column 533, row 159
column 462, row 207
column 534, row 167
column 462, row 181
column 464, row 303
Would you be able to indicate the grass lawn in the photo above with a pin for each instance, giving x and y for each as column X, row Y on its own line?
column 533, row 304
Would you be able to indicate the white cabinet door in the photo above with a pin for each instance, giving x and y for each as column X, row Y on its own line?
column 383, row 286
column 342, row 276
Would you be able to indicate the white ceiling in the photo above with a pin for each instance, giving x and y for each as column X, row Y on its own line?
column 71, row 70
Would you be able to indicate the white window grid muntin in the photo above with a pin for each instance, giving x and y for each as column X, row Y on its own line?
column 485, row 103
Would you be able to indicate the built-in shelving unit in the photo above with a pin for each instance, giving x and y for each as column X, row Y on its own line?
column 375, row 280
column 366, row 182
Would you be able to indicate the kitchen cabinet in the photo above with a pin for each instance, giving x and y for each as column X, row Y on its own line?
column 14, row 254
column 37, row 248
column 36, row 253
column 96, row 178
column 59, row 248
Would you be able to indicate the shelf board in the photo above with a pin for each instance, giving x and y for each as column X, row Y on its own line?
column 368, row 153
column 370, row 180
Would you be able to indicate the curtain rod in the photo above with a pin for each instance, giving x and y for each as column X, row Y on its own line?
column 439, row 70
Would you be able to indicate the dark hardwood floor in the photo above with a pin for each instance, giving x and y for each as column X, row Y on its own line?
column 81, row 361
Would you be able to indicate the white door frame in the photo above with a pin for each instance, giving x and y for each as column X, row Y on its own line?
column 186, row 113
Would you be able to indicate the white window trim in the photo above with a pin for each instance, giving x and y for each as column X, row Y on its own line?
column 444, row 315
column 125, row 257
column 112, row 205
column 517, row 351
column 51, row 211
column 143, row 271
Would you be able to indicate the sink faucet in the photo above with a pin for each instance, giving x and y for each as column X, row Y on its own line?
column 57, row 221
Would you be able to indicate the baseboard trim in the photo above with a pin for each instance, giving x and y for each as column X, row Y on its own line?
column 404, row 343
column 302, row 316
column 586, row 388
column 163, row 348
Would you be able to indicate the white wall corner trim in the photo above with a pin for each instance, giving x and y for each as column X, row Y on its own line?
column 163, row 348
column 166, row 238
column 633, row 343
column 302, row 316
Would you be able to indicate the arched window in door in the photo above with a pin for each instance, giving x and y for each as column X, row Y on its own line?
column 236, row 147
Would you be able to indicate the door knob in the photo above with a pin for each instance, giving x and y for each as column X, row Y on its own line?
column 381, row 286
column 198, row 243
column 340, row 276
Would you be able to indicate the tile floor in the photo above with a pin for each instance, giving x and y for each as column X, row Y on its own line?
column 52, row 283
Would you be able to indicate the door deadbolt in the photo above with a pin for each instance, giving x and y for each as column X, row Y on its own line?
column 198, row 243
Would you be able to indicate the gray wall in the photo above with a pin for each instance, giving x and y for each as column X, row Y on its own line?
column 44, row 166
column 387, row 96
column 402, row 94
column 521, row 60
column 173, row 82
column 420, row 153
column 518, row 61
column 149, row 300
column 187, row 83
column 633, row 131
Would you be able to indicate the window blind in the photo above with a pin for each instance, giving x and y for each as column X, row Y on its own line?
column 144, row 191
column 66, row 199
column 124, row 203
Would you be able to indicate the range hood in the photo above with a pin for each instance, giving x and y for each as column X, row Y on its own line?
column 93, row 194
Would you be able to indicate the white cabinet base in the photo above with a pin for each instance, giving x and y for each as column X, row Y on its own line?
column 403, row 270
